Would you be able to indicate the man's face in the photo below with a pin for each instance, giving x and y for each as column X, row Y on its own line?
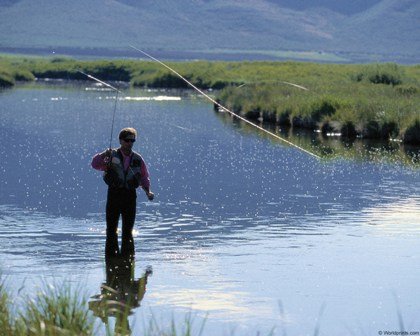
column 127, row 142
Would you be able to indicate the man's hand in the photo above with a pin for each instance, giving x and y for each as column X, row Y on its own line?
column 150, row 195
column 107, row 153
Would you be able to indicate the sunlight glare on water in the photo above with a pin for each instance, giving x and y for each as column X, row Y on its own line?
column 244, row 230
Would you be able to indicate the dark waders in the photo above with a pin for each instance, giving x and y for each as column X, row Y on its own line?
column 120, row 202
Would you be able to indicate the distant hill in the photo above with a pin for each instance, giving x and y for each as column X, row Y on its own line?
column 390, row 26
column 379, row 29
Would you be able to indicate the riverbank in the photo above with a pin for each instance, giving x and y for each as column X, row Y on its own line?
column 62, row 310
column 376, row 101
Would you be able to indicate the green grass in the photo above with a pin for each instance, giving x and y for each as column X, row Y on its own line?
column 11, row 71
column 377, row 101
column 370, row 101
column 61, row 310
column 56, row 310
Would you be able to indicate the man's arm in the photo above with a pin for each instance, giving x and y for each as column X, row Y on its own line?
column 145, row 181
column 100, row 160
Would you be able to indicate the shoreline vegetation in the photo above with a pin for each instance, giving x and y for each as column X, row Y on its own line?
column 371, row 101
column 63, row 310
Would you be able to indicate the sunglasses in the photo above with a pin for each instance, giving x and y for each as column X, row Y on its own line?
column 129, row 140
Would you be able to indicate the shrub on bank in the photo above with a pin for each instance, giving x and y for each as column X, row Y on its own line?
column 23, row 75
column 6, row 78
column 323, row 108
column 158, row 79
column 109, row 70
column 348, row 130
column 390, row 130
column 412, row 134
column 387, row 73
column 407, row 90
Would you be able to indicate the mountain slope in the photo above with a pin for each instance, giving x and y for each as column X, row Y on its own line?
column 388, row 26
column 342, row 7
column 196, row 24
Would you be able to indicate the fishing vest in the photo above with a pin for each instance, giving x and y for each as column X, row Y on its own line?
column 116, row 177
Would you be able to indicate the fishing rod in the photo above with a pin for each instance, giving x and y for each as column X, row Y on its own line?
column 225, row 108
column 115, row 104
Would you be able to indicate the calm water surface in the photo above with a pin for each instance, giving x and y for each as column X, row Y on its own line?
column 246, row 231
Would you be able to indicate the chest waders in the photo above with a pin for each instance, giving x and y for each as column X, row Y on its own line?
column 121, row 201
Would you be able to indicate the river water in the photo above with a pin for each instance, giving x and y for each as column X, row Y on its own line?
column 246, row 234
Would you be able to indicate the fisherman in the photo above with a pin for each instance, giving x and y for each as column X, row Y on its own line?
column 124, row 171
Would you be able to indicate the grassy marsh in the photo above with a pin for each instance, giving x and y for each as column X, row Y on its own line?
column 376, row 101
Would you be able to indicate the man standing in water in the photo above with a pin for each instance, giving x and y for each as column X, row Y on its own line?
column 125, row 170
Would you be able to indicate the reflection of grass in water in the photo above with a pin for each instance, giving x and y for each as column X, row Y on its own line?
column 333, row 147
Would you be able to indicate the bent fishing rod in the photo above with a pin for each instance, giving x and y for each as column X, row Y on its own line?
column 225, row 108
column 115, row 104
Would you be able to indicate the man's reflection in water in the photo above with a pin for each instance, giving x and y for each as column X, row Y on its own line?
column 120, row 294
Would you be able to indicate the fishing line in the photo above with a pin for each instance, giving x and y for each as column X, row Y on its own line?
column 274, row 82
column 113, row 119
column 115, row 104
column 225, row 108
